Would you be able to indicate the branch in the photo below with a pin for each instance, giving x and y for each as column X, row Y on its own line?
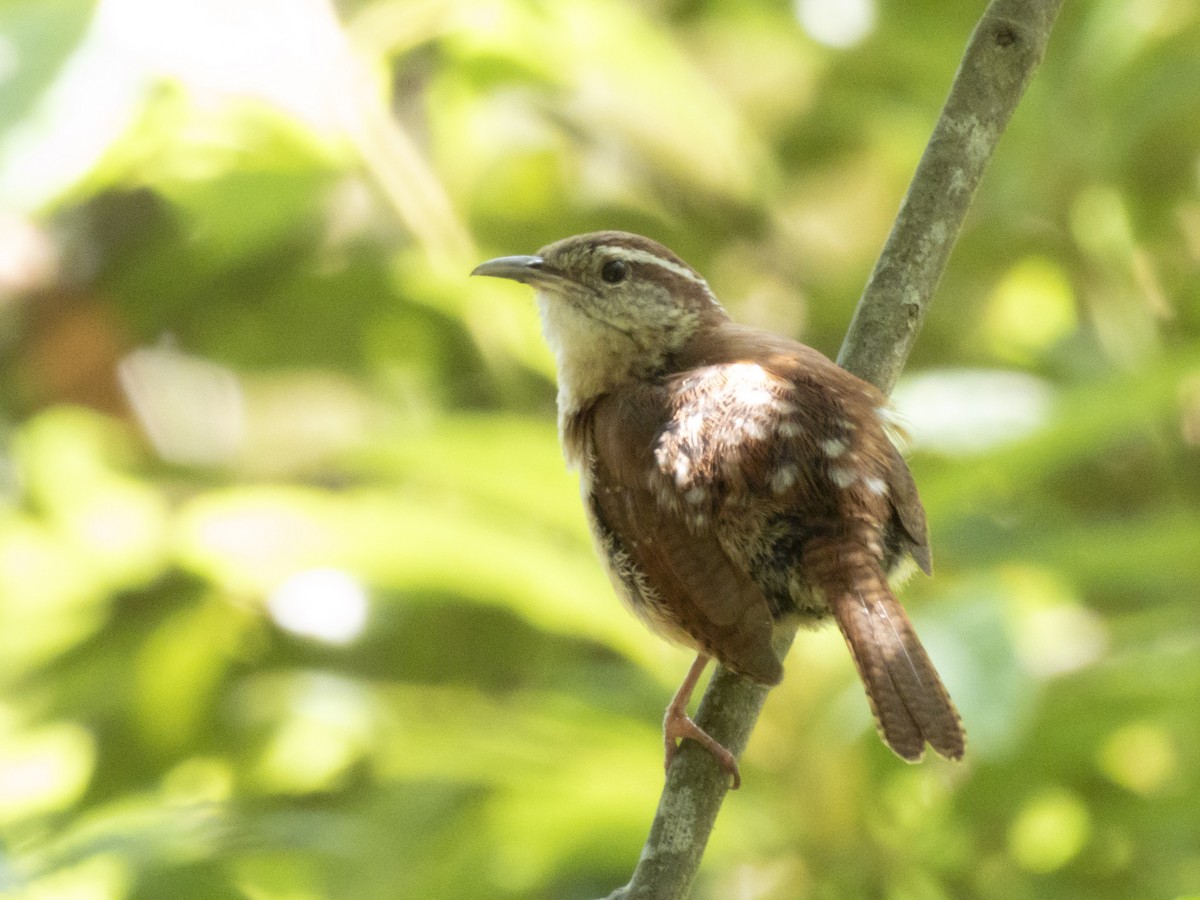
column 1005, row 48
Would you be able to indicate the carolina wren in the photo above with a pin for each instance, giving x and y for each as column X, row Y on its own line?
column 737, row 483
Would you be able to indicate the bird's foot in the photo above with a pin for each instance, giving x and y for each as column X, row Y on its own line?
column 677, row 725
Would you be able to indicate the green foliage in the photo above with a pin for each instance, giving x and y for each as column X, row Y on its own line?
column 297, row 601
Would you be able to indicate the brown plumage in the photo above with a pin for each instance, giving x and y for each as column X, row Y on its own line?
column 737, row 482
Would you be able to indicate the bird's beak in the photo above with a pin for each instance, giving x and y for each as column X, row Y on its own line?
column 526, row 269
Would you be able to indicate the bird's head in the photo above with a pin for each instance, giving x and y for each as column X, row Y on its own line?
column 613, row 303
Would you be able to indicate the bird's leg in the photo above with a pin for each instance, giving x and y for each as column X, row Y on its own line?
column 677, row 724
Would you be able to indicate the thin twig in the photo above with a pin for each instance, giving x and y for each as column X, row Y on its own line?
column 1004, row 50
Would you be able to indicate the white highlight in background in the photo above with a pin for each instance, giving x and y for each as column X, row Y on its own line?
column 327, row 605
column 836, row 23
column 191, row 408
column 962, row 411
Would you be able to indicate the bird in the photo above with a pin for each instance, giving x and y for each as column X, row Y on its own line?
column 738, row 484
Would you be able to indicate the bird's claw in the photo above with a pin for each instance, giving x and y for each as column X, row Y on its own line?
column 678, row 725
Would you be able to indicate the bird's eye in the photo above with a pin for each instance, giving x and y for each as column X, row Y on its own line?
column 614, row 271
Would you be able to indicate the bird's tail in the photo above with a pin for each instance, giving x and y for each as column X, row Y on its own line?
column 910, row 703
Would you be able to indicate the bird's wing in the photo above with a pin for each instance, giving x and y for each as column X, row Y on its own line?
column 779, row 422
column 674, row 568
column 736, row 430
column 908, row 512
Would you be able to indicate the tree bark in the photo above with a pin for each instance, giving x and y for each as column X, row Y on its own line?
column 1004, row 50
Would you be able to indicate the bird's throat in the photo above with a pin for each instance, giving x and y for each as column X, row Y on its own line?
column 592, row 357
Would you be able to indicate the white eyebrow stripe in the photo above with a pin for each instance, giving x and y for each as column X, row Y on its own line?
column 645, row 256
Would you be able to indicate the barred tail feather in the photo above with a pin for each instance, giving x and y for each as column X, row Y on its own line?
column 910, row 703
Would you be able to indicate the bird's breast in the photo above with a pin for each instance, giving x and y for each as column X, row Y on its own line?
column 619, row 559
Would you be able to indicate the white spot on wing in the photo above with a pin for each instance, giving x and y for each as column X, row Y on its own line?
column 876, row 485
column 683, row 468
column 834, row 447
column 751, row 428
column 789, row 428
column 690, row 428
column 696, row 495
column 784, row 478
column 843, row 478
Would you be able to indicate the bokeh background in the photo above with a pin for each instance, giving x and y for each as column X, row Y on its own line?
column 296, row 596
